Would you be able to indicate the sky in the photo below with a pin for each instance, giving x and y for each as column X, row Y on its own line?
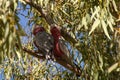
column 24, row 23
column 1, row 74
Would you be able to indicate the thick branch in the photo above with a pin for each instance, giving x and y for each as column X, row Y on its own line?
column 58, row 60
column 72, row 68
column 33, row 53
column 43, row 13
column 50, row 21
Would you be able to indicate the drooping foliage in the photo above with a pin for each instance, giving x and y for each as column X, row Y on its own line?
column 94, row 43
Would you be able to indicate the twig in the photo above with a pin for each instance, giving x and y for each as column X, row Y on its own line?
column 33, row 53
column 43, row 13
column 72, row 68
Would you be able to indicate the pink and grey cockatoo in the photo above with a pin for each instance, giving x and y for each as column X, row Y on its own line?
column 43, row 41
column 60, row 49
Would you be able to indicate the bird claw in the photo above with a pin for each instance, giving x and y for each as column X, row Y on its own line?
column 50, row 57
column 53, row 58
column 47, row 57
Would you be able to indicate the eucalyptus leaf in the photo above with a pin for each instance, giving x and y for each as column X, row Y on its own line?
column 114, row 5
column 15, row 5
column 104, row 26
column 95, row 25
column 97, row 9
column 101, row 61
column 8, row 4
column 114, row 66
column 110, row 25
column 20, row 31
column 19, row 55
column 7, row 30
column 84, row 23
column 65, row 12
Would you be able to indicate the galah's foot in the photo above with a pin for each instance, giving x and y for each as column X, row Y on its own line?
column 47, row 57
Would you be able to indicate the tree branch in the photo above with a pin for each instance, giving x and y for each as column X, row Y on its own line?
column 50, row 21
column 72, row 68
column 58, row 60
column 33, row 53
column 43, row 13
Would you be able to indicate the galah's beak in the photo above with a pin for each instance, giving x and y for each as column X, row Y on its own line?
column 54, row 25
column 37, row 29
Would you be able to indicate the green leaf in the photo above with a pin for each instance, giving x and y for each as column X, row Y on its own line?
column 18, row 54
column 101, row 61
column 7, row 31
column 75, row 1
column 110, row 25
column 22, row 1
column 104, row 26
column 1, row 57
column 15, row 5
column 20, row 31
column 84, row 22
column 65, row 13
column 79, row 26
column 7, row 4
column 46, row 2
column 114, row 66
column 114, row 5
column 97, row 9
column 95, row 25
column 4, row 19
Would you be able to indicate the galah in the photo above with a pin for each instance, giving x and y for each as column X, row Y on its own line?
column 60, row 49
column 43, row 41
